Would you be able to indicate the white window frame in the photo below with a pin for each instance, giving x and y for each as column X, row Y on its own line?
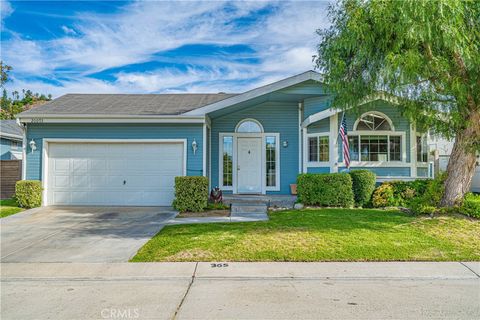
column 316, row 164
column 421, row 136
column 378, row 113
column 402, row 162
column 235, row 136
column 249, row 120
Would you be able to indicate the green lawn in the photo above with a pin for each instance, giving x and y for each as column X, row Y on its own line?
column 8, row 207
column 320, row 235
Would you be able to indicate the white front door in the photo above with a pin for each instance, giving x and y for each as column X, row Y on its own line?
column 249, row 165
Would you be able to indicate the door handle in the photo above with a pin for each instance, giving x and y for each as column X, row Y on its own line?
column 124, row 182
column 238, row 168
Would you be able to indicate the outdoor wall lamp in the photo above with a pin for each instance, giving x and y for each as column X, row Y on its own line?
column 285, row 143
column 33, row 146
column 194, row 146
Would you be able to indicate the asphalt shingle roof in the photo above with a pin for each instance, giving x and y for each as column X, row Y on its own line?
column 127, row 104
column 10, row 127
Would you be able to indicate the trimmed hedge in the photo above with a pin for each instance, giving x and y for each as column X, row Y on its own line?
column 471, row 205
column 28, row 193
column 191, row 194
column 399, row 193
column 363, row 182
column 325, row 189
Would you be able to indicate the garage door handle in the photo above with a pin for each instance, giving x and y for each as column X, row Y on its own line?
column 124, row 182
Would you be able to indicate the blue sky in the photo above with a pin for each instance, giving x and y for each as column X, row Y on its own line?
column 63, row 47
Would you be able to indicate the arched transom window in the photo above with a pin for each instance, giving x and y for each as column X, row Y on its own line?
column 373, row 121
column 249, row 126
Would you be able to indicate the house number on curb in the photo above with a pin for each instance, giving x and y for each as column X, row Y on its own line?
column 219, row 265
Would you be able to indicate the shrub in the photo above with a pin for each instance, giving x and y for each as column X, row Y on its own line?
column 363, row 182
column 191, row 194
column 383, row 196
column 471, row 205
column 429, row 200
column 28, row 193
column 328, row 189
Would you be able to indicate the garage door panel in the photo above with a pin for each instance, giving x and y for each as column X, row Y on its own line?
column 93, row 173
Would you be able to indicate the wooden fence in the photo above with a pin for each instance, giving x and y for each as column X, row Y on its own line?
column 10, row 172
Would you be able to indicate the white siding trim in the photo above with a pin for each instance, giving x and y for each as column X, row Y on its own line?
column 413, row 151
column 46, row 141
column 300, row 138
column 334, row 143
column 204, row 150
column 24, row 152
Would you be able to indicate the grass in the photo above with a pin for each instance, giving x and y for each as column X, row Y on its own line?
column 9, row 207
column 321, row 235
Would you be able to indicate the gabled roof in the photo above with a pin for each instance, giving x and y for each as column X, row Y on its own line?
column 124, row 104
column 10, row 129
column 257, row 92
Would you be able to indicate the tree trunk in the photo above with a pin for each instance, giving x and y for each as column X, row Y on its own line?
column 460, row 170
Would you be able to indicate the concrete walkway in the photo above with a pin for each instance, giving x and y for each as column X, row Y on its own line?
column 396, row 290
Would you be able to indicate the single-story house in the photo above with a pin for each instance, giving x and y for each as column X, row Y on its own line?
column 126, row 149
column 11, row 137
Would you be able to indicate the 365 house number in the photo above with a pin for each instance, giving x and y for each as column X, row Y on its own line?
column 219, row 265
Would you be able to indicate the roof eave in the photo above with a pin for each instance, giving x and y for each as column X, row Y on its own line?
column 107, row 118
column 254, row 93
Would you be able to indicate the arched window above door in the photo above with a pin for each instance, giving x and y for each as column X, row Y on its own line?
column 249, row 126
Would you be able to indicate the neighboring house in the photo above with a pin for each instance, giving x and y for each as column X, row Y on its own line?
column 127, row 149
column 443, row 149
column 11, row 136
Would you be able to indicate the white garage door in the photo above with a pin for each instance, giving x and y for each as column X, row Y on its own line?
column 131, row 174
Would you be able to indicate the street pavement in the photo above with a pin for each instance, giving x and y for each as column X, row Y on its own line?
column 331, row 290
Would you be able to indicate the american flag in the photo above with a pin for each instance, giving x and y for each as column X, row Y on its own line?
column 343, row 135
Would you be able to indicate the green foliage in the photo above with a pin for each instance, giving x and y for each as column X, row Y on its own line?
column 383, row 196
column 363, row 182
column 28, row 193
column 471, row 205
column 399, row 193
column 329, row 189
column 429, row 201
column 191, row 194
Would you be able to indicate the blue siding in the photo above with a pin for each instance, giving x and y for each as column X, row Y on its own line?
column 318, row 170
column 314, row 105
column 319, row 126
column 115, row 131
column 5, row 149
column 310, row 87
column 275, row 117
column 393, row 112
column 384, row 172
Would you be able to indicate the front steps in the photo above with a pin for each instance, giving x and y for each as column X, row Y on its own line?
column 271, row 201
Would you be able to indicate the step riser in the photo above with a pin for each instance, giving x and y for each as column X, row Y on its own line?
column 249, row 209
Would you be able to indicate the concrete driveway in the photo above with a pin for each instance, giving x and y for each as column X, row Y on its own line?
column 79, row 234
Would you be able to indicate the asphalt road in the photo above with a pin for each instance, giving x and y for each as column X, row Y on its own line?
column 394, row 290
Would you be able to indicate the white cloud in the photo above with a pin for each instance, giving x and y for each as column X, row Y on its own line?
column 283, row 41
column 5, row 9
column 68, row 30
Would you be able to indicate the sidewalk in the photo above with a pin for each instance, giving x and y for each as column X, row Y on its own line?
column 406, row 290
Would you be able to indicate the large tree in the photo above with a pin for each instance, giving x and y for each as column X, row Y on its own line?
column 427, row 53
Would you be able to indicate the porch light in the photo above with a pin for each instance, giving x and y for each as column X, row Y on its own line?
column 194, row 146
column 285, row 143
column 33, row 146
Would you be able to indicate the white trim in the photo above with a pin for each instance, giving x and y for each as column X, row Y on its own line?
column 210, row 158
column 46, row 141
column 300, row 138
column 10, row 136
column 304, row 143
column 375, row 164
column 235, row 136
column 108, row 118
column 318, row 164
column 334, row 143
column 402, row 178
column 249, row 120
column 413, row 151
column 305, row 76
column 24, row 152
column 402, row 134
column 204, row 150
column 319, row 116
column 378, row 113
